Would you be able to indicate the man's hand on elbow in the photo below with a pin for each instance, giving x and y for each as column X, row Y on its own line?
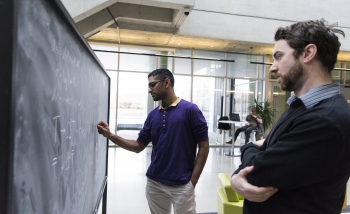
column 259, row 142
column 252, row 193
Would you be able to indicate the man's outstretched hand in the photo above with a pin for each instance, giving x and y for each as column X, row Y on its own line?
column 103, row 129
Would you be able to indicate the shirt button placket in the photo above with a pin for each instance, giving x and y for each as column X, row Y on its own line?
column 164, row 122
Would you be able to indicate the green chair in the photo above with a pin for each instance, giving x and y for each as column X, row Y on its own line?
column 345, row 199
column 229, row 201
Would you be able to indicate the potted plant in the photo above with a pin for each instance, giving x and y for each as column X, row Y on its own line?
column 266, row 111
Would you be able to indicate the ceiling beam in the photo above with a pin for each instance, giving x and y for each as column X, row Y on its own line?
column 128, row 13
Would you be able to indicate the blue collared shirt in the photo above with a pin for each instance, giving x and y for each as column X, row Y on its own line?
column 316, row 95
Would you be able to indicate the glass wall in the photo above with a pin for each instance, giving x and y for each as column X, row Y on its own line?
column 347, row 73
column 337, row 74
column 209, row 67
column 240, row 96
column 219, row 83
column 113, row 100
column 241, row 67
column 183, row 65
column 207, row 94
column 108, row 59
column 347, row 77
column 132, row 100
column 182, row 87
column 165, row 62
column 201, row 81
column 135, row 62
column 278, row 99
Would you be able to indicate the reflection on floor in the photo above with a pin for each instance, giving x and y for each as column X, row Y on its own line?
column 127, row 180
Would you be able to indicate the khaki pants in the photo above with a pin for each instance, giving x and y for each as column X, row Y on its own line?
column 160, row 198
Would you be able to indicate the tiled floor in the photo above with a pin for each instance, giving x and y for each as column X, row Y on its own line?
column 127, row 180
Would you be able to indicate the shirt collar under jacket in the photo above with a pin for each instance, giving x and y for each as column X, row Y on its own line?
column 316, row 95
column 173, row 104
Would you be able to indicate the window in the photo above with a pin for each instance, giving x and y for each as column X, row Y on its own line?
column 109, row 60
column 242, row 66
column 182, row 87
column 337, row 74
column 183, row 65
column 347, row 73
column 207, row 95
column 132, row 102
column 113, row 100
column 199, row 81
column 209, row 67
column 134, row 62
column 240, row 96
column 165, row 62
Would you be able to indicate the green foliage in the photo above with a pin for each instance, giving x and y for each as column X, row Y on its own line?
column 265, row 110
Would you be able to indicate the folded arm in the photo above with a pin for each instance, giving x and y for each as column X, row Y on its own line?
column 290, row 155
column 253, row 193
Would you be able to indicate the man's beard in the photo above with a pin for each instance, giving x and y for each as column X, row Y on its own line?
column 290, row 80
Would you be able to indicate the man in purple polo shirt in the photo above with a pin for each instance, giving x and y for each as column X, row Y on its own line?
column 175, row 128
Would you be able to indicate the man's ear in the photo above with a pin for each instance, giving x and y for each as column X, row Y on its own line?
column 309, row 53
column 167, row 82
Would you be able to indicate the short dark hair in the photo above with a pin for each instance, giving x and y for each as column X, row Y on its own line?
column 301, row 34
column 162, row 74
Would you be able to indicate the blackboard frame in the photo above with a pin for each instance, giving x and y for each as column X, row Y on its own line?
column 8, row 21
column 6, row 56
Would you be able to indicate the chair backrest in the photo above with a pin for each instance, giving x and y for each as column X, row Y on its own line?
column 232, row 196
column 235, row 117
column 224, row 126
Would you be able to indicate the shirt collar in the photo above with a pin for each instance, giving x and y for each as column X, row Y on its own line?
column 173, row 104
column 316, row 95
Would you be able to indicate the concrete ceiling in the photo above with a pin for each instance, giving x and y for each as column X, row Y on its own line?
column 178, row 41
column 158, row 26
column 136, row 37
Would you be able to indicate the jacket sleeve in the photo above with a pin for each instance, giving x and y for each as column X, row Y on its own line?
column 304, row 154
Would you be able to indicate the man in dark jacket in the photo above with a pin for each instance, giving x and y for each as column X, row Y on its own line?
column 303, row 165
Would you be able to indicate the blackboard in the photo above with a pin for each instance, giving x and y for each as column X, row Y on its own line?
column 55, row 91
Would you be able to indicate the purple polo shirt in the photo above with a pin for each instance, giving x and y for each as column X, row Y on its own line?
column 175, row 133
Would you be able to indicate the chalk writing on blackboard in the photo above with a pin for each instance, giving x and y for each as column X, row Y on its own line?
column 60, row 91
column 64, row 53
